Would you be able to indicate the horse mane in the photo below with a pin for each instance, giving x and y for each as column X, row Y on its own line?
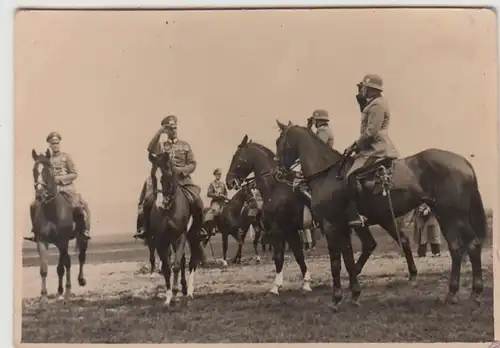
column 266, row 150
column 320, row 142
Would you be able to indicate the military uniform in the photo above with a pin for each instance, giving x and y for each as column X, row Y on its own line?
column 217, row 191
column 323, row 131
column 65, row 173
column 183, row 159
column 374, row 142
column 426, row 231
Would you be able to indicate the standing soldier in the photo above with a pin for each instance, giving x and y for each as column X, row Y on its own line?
column 320, row 120
column 426, row 231
column 65, row 173
column 217, row 191
column 373, row 143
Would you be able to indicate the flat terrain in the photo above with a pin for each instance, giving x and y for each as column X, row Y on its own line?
column 121, row 304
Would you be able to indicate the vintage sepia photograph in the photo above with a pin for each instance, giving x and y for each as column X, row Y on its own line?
column 308, row 175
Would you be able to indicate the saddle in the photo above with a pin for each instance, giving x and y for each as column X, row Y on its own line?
column 372, row 178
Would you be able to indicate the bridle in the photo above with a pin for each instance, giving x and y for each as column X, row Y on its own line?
column 40, row 186
column 280, row 174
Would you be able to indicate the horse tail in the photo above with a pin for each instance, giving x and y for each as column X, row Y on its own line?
column 477, row 214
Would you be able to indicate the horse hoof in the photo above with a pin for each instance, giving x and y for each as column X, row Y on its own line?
column 476, row 299
column 224, row 263
column 60, row 297
column 334, row 307
column 190, row 296
column 274, row 291
column 82, row 281
column 306, row 287
column 451, row 299
column 355, row 303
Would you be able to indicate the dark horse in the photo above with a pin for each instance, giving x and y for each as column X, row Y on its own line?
column 234, row 220
column 54, row 218
column 444, row 180
column 283, row 206
column 168, row 223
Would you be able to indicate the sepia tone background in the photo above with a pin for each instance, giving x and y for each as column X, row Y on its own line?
column 105, row 80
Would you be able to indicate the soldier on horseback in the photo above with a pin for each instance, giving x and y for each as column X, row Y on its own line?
column 183, row 158
column 217, row 191
column 65, row 173
column 373, row 144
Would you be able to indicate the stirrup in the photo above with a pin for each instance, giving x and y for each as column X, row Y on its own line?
column 359, row 222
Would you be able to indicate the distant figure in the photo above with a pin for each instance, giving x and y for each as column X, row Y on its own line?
column 217, row 191
column 320, row 120
column 426, row 231
column 65, row 174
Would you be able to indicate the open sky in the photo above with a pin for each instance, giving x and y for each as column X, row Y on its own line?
column 105, row 80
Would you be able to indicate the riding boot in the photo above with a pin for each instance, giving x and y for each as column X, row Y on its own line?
column 31, row 237
column 144, row 208
column 354, row 217
column 198, row 204
column 422, row 250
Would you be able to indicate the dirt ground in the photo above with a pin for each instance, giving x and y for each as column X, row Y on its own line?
column 120, row 305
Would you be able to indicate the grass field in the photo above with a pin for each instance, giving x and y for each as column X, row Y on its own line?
column 121, row 305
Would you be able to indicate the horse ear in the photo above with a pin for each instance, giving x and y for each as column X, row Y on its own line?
column 34, row 155
column 281, row 125
column 47, row 153
column 244, row 141
column 290, row 123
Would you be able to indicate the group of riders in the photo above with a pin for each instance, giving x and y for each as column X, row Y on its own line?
column 373, row 143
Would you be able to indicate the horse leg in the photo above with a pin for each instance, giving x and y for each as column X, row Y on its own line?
column 368, row 245
column 452, row 228
column 279, row 259
column 82, row 257
column 183, row 276
column 42, row 248
column 474, row 252
column 152, row 258
column 298, row 252
column 60, row 271
column 195, row 248
column 67, row 265
column 240, row 239
column 350, row 265
column 256, row 238
column 334, row 239
column 405, row 244
column 225, row 240
column 164, row 253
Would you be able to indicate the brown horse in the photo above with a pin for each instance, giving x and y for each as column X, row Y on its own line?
column 168, row 223
column 283, row 207
column 53, row 224
column 442, row 179
column 234, row 220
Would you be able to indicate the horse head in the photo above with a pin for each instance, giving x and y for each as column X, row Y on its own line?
column 169, row 176
column 43, row 176
column 240, row 166
column 286, row 153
